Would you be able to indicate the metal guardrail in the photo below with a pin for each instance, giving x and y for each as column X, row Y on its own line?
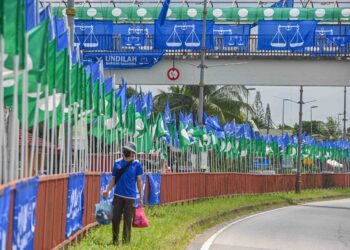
column 126, row 43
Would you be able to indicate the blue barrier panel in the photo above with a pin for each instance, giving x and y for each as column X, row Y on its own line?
column 226, row 35
column 286, row 35
column 75, row 203
column 175, row 35
column 154, row 194
column 105, row 179
column 143, row 191
column 4, row 215
column 93, row 34
column 116, row 60
column 24, row 216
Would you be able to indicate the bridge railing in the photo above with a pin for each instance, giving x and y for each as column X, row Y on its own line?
column 223, row 46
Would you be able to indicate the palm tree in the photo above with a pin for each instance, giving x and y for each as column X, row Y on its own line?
column 226, row 102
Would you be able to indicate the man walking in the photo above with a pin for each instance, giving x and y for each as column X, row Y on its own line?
column 127, row 172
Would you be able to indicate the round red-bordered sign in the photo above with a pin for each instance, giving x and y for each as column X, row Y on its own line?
column 173, row 74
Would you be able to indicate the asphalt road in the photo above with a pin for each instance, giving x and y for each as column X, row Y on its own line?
column 319, row 225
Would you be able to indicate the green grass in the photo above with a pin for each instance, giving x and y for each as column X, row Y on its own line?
column 173, row 226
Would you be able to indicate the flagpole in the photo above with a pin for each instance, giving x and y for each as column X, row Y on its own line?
column 62, row 132
column 3, row 175
column 53, row 128
column 35, row 132
column 14, row 121
column 24, row 147
column 43, row 148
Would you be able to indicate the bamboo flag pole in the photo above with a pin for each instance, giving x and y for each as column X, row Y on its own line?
column 14, row 124
column 43, row 148
column 3, row 170
column 24, row 147
column 62, row 132
column 53, row 128
column 35, row 131
column 69, row 142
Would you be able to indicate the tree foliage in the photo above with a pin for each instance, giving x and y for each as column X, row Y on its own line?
column 259, row 113
column 226, row 102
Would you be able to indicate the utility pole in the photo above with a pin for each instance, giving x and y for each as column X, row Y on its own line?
column 70, row 11
column 202, row 66
column 344, row 117
column 298, row 175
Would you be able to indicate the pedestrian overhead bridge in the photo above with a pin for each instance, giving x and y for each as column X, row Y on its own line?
column 240, row 48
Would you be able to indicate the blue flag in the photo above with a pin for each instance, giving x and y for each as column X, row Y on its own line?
column 167, row 114
column 283, row 4
column 286, row 35
column 163, row 12
column 24, row 215
column 122, row 94
column 75, row 203
column 31, row 14
column 46, row 14
column 62, row 41
column 108, row 85
column 60, row 26
column 4, row 215
column 155, row 184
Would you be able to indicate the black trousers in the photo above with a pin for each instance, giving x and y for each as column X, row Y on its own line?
column 125, row 207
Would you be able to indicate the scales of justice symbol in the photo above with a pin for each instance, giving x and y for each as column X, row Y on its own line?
column 234, row 40
column 279, row 41
column 90, row 41
column 192, row 39
column 135, row 36
column 324, row 41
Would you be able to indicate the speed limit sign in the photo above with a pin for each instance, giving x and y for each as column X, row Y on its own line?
column 173, row 74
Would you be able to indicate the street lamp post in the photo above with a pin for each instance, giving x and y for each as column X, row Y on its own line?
column 344, row 117
column 339, row 114
column 284, row 100
column 248, row 89
column 202, row 66
column 298, row 174
column 311, row 108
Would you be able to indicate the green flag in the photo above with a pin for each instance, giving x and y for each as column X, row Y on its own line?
column 109, row 103
column 62, row 74
column 38, row 49
column 130, row 117
column 13, row 18
column 159, row 127
column 184, row 138
column 119, row 112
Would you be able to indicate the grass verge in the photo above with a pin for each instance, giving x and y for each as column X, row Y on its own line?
column 173, row 226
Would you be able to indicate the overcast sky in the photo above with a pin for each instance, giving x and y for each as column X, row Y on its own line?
column 330, row 102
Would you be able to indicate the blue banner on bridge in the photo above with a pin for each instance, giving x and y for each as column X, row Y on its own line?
column 174, row 35
column 332, row 37
column 226, row 35
column 286, row 35
column 24, row 216
column 4, row 215
column 105, row 180
column 154, row 183
column 75, row 203
column 131, row 60
column 93, row 34
column 134, row 36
